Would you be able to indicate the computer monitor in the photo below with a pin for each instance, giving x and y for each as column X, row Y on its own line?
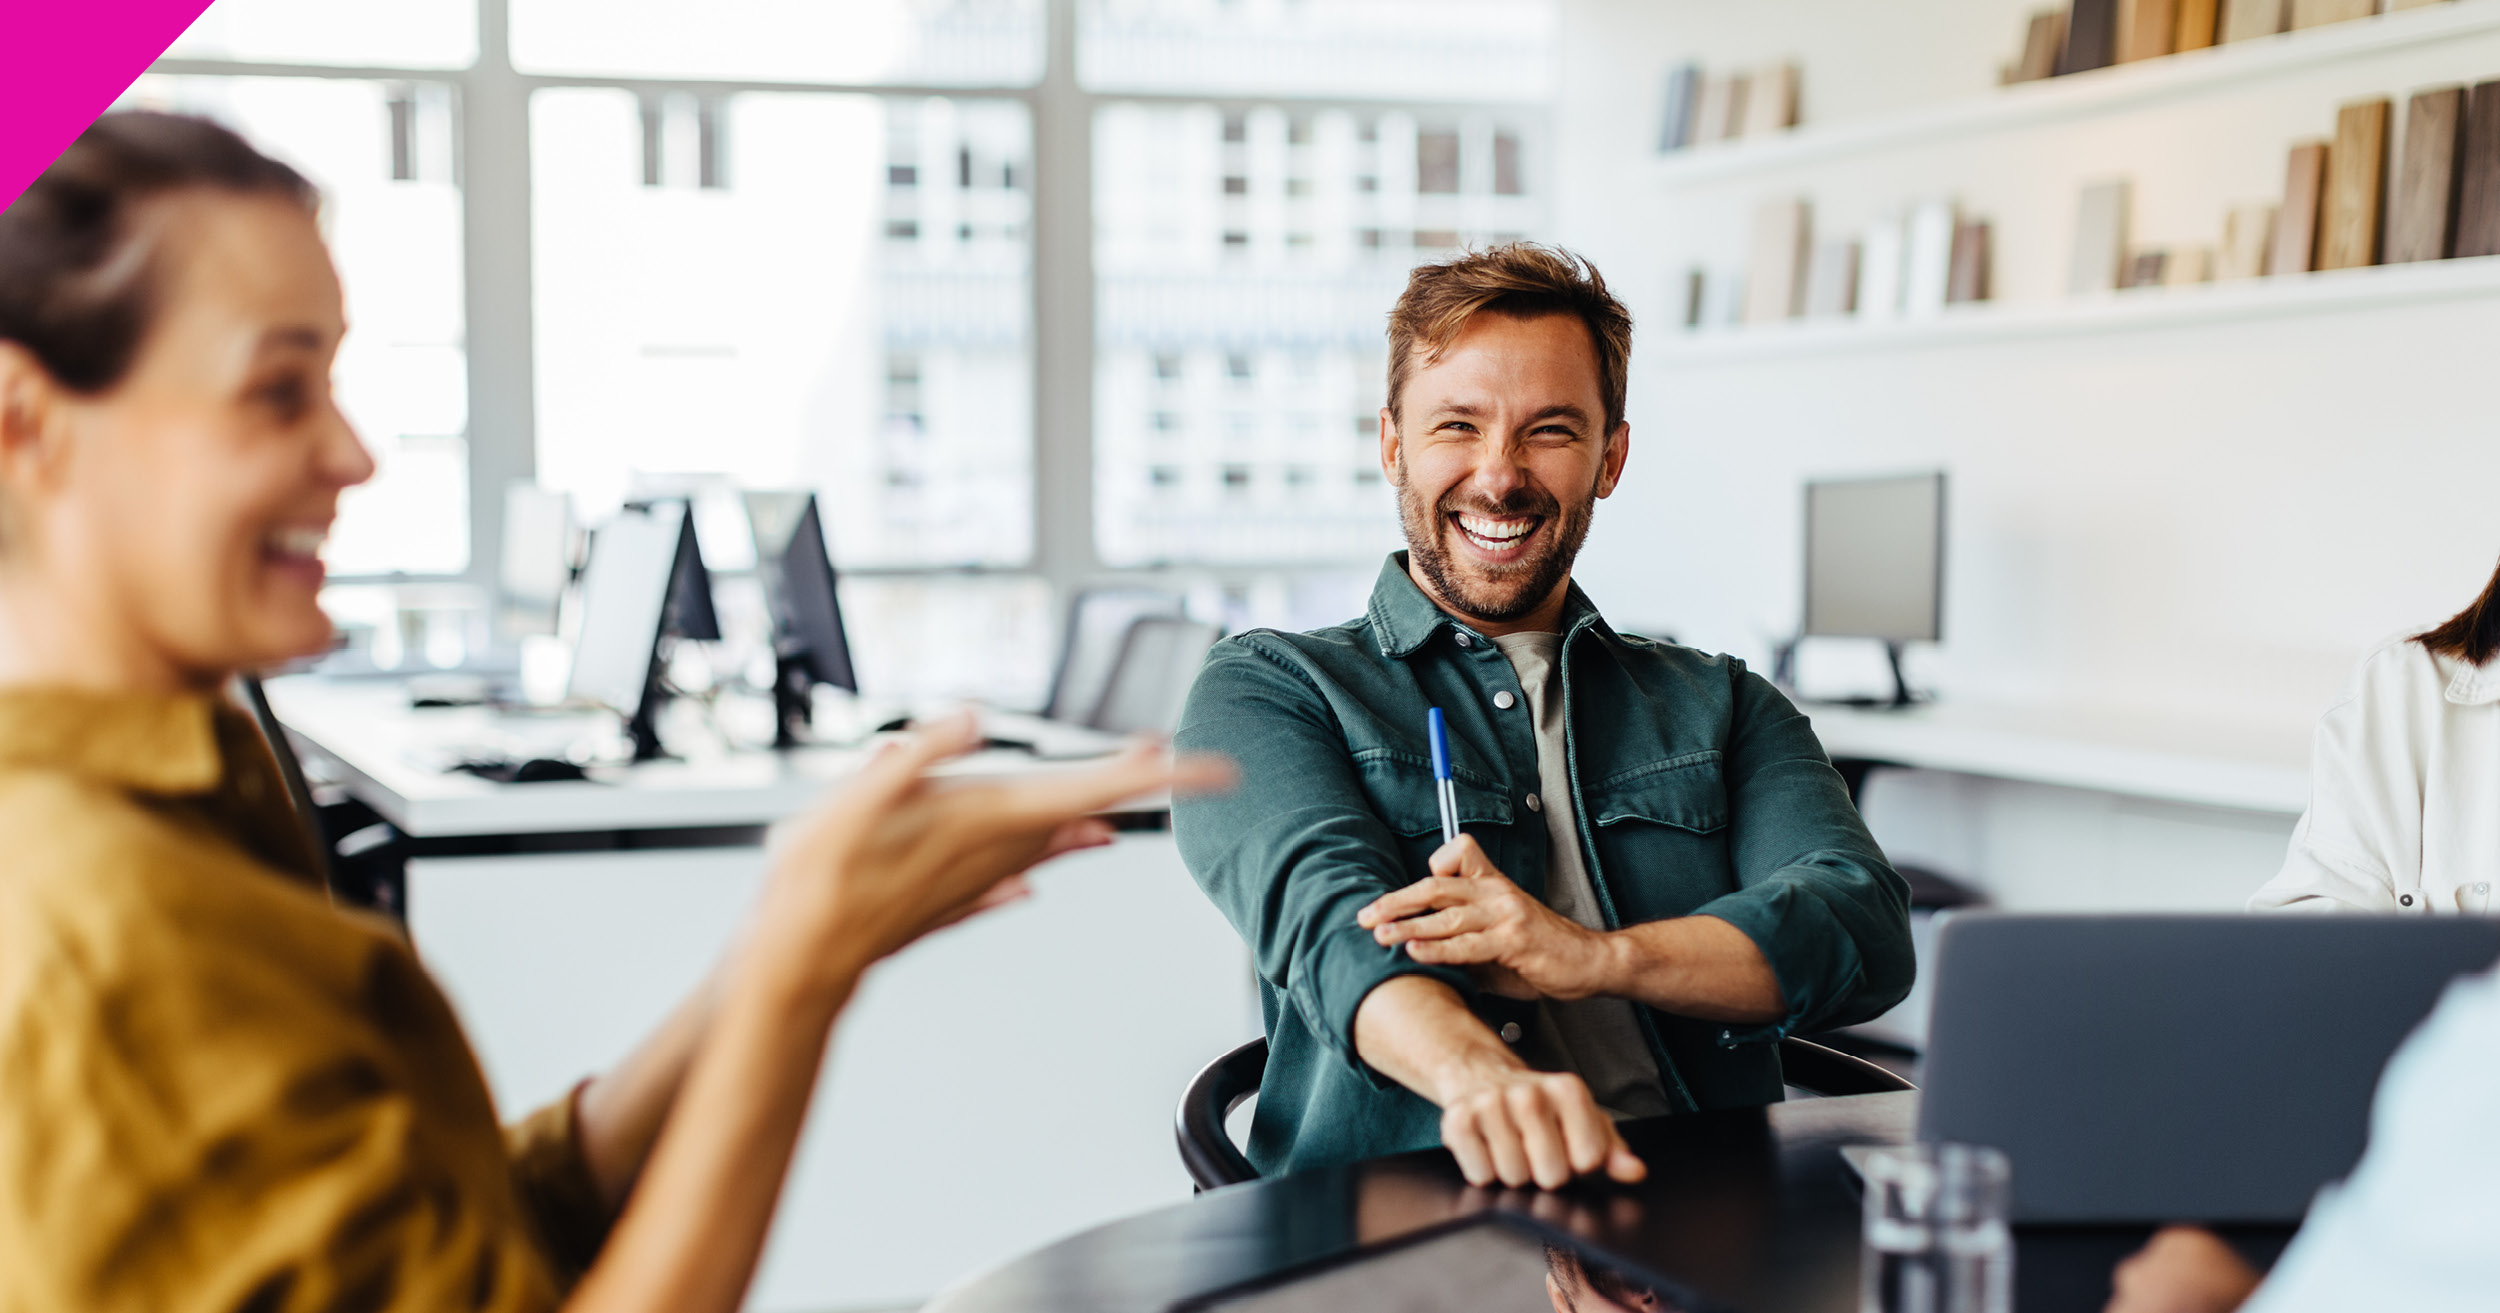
column 644, row 581
column 809, row 644
column 537, row 559
column 1874, row 556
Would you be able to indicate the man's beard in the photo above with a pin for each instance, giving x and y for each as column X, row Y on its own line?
column 1494, row 593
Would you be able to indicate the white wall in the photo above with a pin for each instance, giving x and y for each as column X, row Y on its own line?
column 2211, row 519
column 991, row 1089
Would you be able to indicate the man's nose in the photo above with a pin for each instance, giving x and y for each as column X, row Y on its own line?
column 1499, row 472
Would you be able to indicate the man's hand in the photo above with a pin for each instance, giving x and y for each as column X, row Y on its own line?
column 2182, row 1269
column 1467, row 913
column 1520, row 1127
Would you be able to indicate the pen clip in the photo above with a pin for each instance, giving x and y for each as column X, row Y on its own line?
column 1440, row 735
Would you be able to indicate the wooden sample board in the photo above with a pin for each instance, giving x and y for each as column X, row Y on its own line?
column 2243, row 20
column 2319, row 13
column 2197, row 26
column 2041, row 43
column 2296, row 222
column 2100, row 236
column 2091, row 36
column 1771, row 101
column 1781, row 230
column 2478, row 174
column 2246, row 233
column 2422, row 221
column 2356, row 182
column 2147, row 29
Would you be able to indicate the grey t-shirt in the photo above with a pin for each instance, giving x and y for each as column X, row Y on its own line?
column 1599, row 1038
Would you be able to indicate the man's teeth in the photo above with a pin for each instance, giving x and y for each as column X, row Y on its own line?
column 1495, row 533
column 298, row 542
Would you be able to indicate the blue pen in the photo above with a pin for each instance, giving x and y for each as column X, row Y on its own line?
column 1440, row 731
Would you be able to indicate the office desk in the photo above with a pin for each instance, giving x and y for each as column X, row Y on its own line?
column 391, row 756
column 1751, row 1210
column 2247, row 766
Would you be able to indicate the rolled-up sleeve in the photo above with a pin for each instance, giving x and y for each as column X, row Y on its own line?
column 1296, row 851
column 1814, row 891
column 557, row 1191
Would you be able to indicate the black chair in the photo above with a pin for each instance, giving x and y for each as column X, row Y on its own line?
column 361, row 858
column 1213, row 1160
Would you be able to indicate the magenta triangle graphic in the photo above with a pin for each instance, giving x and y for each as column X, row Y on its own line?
column 62, row 63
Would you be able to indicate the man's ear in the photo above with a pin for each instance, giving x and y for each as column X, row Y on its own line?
column 1610, row 465
column 1389, row 446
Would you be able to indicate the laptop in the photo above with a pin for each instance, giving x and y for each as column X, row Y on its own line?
column 2192, row 1068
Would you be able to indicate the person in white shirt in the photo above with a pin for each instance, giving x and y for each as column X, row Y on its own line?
column 2412, row 1228
column 2404, row 807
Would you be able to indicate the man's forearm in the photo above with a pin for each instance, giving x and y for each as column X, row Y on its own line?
column 1418, row 1032
column 1692, row 966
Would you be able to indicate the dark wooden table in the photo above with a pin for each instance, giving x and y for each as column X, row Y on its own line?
column 1750, row 1211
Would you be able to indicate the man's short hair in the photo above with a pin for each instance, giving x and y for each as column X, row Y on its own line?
column 1521, row 280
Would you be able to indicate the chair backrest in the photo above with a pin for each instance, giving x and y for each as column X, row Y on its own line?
column 291, row 770
column 1213, row 1160
column 1159, row 659
column 1098, row 623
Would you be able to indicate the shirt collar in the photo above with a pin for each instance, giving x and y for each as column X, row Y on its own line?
column 1404, row 619
column 2475, row 685
column 146, row 742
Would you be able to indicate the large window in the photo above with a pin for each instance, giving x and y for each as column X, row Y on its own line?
column 798, row 243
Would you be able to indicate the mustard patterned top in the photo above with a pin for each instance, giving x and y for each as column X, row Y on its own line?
column 217, row 1091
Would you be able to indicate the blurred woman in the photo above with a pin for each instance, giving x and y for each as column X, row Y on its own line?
column 2404, row 808
column 216, row 1091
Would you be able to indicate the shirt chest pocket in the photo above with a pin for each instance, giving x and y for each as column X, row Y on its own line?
column 1401, row 792
column 1662, row 833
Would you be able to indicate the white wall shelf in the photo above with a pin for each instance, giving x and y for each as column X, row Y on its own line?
column 2135, row 309
column 2079, row 95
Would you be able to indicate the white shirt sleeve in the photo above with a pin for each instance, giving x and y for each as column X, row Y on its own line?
column 2364, row 822
column 2417, row 1225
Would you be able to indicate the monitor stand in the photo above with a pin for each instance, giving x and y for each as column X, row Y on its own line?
column 1901, row 694
column 643, row 727
column 794, row 703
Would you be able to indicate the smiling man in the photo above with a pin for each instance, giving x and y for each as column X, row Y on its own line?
column 1659, row 872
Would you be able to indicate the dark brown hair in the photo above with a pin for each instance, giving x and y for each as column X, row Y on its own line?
column 77, row 273
column 1521, row 280
column 2473, row 634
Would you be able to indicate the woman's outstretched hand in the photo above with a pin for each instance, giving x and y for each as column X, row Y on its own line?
column 898, row 853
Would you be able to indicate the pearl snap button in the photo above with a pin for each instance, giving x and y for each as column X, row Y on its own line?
column 2483, row 887
column 1510, row 1032
column 1465, row 640
column 1534, row 805
column 2405, row 901
column 1503, row 699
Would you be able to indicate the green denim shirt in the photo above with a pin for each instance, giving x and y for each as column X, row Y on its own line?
column 1698, row 788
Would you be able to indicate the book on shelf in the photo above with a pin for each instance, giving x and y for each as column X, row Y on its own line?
column 2146, row 29
column 1971, row 258
column 2356, row 181
column 2043, row 37
column 2246, row 233
column 2188, row 264
column 1781, row 230
column 2244, row 20
column 2422, row 208
column 2144, row 268
column 1771, row 100
column 1879, row 268
column 2091, row 36
column 2295, row 248
column 1832, row 280
column 1696, row 288
column 2319, row 13
column 1927, row 263
column 2100, row 236
column 2394, row 5
column 1675, row 131
column 1715, row 118
column 2197, row 25
column 2478, row 176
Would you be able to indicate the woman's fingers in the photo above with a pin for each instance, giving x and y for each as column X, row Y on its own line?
column 897, row 765
column 1074, row 836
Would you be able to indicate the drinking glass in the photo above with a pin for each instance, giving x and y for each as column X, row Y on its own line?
column 1937, row 1238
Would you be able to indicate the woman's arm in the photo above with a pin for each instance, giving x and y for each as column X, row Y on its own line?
column 896, row 855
